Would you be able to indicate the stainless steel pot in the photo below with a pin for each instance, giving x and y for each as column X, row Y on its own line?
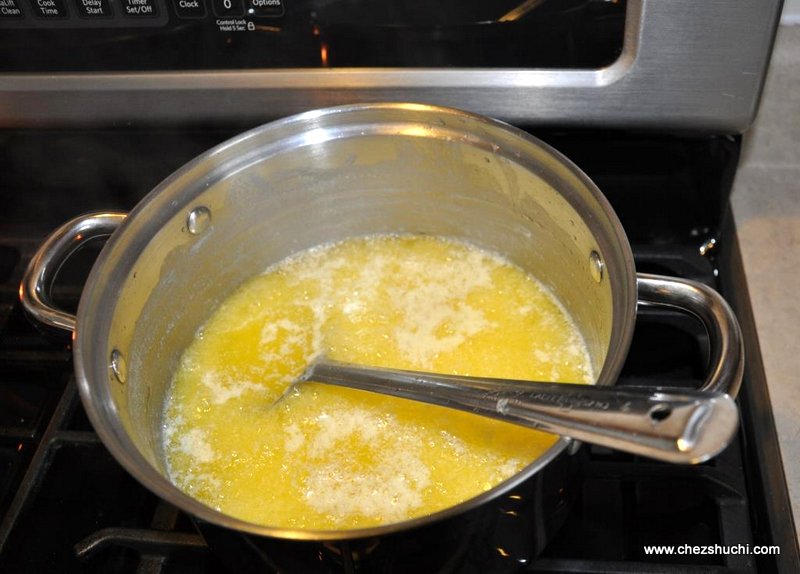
column 322, row 176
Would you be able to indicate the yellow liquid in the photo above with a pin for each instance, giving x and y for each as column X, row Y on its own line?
column 331, row 458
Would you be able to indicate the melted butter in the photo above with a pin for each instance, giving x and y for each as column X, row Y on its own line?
column 332, row 458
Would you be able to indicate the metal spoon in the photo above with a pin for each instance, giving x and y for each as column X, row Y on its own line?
column 683, row 426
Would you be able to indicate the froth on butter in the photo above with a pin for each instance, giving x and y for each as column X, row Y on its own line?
column 328, row 458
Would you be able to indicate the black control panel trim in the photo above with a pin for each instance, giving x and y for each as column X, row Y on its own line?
column 66, row 14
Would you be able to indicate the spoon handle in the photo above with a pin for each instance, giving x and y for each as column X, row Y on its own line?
column 683, row 426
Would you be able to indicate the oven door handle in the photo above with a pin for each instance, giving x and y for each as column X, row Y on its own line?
column 34, row 291
column 726, row 360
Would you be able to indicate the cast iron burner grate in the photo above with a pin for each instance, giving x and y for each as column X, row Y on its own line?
column 67, row 506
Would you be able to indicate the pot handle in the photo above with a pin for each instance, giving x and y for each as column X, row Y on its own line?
column 725, row 336
column 34, row 291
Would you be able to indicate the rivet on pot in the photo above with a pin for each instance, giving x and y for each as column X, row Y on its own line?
column 660, row 412
column 596, row 266
column 573, row 446
column 198, row 220
column 118, row 367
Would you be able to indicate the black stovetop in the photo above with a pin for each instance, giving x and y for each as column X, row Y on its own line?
column 67, row 506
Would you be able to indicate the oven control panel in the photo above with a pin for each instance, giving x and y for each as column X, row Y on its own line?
column 158, row 35
column 72, row 14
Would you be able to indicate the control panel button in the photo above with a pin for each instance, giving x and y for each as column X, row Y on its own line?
column 10, row 9
column 226, row 8
column 140, row 8
column 49, row 8
column 94, row 8
column 265, row 8
column 190, row 8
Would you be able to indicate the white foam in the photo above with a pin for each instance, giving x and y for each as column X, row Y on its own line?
column 193, row 443
column 294, row 438
column 390, row 491
column 224, row 388
column 336, row 425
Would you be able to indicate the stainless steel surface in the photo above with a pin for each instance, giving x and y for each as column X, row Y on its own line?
column 678, row 427
column 119, row 367
column 725, row 336
column 323, row 176
column 596, row 266
column 685, row 64
column 35, row 288
column 198, row 221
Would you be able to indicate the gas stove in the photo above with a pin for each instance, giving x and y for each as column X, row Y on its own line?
column 67, row 506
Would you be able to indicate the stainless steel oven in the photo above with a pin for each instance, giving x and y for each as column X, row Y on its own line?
column 102, row 99
column 590, row 63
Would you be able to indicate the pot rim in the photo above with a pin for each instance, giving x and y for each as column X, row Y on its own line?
column 159, row 204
